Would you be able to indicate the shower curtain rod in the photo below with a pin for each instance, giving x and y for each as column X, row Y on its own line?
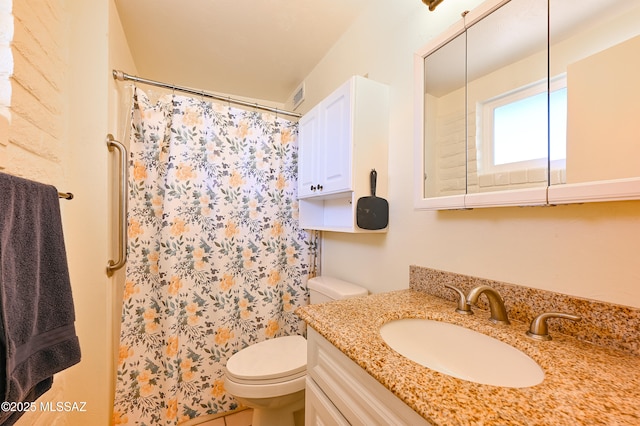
column 122, row 76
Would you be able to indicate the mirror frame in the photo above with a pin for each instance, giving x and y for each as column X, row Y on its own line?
column 420, row 201
column 596, row 191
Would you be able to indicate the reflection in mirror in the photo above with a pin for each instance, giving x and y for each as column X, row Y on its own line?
column 507, row 100
column 444, row 118
column 595, row 46
column 578, row 67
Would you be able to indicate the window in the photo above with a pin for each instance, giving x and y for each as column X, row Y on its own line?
column 514, row 128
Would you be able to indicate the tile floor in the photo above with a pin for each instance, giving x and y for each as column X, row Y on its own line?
column 241, row 418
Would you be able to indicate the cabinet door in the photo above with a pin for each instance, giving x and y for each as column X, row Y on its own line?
column 309, row 137
column 336, row 131
column 319, row 410
column 348, row 388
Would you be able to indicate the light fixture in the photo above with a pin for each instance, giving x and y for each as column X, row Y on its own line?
column 432, row 3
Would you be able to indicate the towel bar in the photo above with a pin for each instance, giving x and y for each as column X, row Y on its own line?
column 112, row 265
column 65, row 195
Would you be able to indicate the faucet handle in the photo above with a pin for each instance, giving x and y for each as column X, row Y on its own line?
column 539, row 330
column 463, row 308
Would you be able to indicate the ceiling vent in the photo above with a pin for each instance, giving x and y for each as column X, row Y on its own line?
column 298, row 96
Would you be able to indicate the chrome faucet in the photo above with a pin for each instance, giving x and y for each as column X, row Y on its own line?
column 496, row 304
column 539, row 330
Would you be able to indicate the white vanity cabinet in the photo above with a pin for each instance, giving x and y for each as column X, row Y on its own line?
column 341, row 140
column 342, row 393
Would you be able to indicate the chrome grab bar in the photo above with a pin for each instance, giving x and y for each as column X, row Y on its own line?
column 113, row 266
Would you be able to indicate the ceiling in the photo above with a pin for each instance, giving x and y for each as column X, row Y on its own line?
column 260, row 49
column 512, row 33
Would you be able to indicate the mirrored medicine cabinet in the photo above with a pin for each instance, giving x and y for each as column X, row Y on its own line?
column 530, row 102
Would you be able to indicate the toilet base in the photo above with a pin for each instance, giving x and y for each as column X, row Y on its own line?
column 277, row 411
column 277, row 418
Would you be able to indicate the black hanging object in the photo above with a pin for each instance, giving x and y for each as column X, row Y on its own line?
column 372, row 212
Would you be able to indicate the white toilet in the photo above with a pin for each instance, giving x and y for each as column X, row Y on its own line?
column 269, row 376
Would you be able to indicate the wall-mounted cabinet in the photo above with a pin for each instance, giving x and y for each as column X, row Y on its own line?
column 325, row 146
column 530, row 102
column 341, row 140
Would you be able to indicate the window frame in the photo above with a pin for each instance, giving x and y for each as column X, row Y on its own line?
column 485, row 143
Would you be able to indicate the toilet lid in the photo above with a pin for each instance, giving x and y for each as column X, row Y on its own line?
column 281, row 357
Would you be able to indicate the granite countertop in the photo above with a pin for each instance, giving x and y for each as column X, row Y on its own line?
column 583, row 384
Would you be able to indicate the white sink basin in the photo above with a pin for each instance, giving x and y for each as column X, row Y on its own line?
column 461, row 352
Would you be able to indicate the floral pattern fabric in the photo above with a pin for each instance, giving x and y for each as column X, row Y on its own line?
column 216, row 259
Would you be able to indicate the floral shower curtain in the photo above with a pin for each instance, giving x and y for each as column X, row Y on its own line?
column 216, row 259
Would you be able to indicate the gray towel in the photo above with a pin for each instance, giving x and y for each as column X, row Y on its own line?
column 37, row 331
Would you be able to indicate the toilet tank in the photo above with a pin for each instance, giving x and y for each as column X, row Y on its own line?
column 325, row 289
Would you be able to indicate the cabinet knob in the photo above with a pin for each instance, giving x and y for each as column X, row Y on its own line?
column 313, row 188
column 319, row 187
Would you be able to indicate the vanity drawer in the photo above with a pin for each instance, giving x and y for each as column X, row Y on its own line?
column 319, row 410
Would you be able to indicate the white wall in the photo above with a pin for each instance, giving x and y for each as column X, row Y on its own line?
column 54, row 112
column 86, row 217
column 34, row 144
column 63, row 104
column 585, row 250
column 119, row 102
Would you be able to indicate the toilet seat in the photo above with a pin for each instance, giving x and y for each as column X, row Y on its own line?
column 272, row 361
